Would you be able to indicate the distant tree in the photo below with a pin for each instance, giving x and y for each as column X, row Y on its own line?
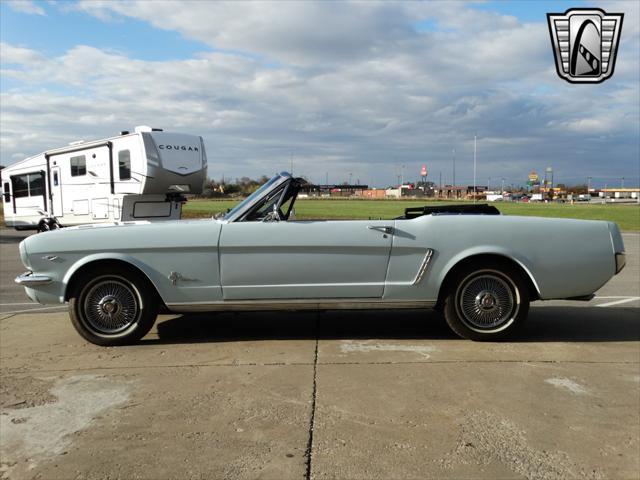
column 578, row 189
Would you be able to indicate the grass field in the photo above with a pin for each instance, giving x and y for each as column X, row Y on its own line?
column 626, row 216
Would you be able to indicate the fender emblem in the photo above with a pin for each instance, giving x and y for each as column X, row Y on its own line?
column 175, row 276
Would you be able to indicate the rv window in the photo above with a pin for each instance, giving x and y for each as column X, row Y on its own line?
column 78, row 166
column 20, row 186
column 6, row 192
column 36, row 184
column 124, row 164
column 55, row 179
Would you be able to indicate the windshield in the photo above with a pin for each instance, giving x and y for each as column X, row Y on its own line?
column 251, row 197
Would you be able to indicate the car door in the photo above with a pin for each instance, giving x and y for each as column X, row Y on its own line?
column 305, row 259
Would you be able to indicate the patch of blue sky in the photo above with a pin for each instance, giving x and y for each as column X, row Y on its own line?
column 58, row 31
column 7, row 83
column 427, row 25
column 528, row 11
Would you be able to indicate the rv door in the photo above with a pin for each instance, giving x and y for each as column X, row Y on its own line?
column 56, row 192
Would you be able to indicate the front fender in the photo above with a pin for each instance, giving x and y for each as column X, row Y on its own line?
column 145, row 269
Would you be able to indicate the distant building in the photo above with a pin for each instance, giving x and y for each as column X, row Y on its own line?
column 620, row 193
column 460, row 192
column 310, row 190
column 371, row 193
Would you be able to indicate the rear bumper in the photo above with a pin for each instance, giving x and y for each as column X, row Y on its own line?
column 28, row 279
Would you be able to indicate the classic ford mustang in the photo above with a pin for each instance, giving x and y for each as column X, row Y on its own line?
column 480, row 268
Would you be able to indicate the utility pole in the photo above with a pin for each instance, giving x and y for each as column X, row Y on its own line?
column 622, row 184
column 589, row 184
column 489, row 184
column 440, row 180
column 350, row 176
column 454, row 167
column 475, row 145
column 326, row 178
column 402, row 175
column 502, row 190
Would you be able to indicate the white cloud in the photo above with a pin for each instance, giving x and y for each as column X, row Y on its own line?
column 26, row 6
column 12, row 54
column 346, row 87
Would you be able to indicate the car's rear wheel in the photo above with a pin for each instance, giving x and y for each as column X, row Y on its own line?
column 112, row 306
column 486, row 302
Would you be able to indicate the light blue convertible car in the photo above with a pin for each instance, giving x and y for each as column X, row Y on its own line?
column 480, row 268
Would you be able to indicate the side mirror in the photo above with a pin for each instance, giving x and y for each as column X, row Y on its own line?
column 292, row 214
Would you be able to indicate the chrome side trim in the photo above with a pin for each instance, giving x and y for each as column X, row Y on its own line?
column 310, row 304
column 28, row 279
column 423, row 266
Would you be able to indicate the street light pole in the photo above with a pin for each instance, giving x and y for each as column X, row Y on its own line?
column 454, row 167
column 475, row 138
column 589, row 184
column 502, row 190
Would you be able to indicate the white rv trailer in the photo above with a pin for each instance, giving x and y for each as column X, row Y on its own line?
column 134, row 176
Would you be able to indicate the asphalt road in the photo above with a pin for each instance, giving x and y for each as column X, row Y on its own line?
column 330, row 395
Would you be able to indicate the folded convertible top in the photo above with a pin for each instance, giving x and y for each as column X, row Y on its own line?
column 466, row 209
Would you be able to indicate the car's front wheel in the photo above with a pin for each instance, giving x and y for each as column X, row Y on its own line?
column 486, row 302
column 112, row 306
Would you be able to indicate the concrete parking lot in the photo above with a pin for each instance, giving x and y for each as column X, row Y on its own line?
column 324, row 395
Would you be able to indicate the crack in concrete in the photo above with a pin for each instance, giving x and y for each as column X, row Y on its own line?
column 312, row 419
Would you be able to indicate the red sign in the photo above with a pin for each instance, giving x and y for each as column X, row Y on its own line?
column 423, row 171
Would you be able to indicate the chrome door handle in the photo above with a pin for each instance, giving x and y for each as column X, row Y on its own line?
column 381, row 228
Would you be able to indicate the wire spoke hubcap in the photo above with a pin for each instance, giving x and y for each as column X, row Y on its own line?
column 487, row 301
column 111, row 306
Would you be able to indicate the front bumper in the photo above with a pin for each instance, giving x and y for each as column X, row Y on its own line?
column 28, row 279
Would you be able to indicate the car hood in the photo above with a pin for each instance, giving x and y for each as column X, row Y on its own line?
column 123, row 236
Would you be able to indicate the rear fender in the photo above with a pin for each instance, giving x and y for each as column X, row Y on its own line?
column 507, row 253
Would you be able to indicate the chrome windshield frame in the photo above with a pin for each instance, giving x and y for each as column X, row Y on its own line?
column 240, row 210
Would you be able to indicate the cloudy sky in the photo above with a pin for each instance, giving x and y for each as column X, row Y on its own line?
column 342, row 88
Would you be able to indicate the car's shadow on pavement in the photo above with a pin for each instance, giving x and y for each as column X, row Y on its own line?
column 545, row 324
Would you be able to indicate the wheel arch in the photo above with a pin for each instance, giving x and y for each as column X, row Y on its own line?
column 460, row 263
column 91, row 262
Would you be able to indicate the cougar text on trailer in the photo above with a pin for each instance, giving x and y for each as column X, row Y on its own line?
column 135, row 176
